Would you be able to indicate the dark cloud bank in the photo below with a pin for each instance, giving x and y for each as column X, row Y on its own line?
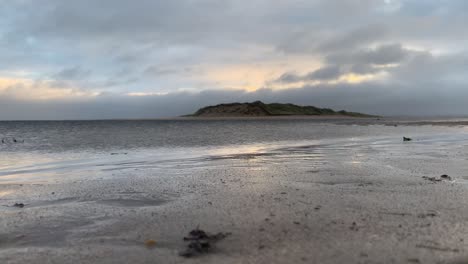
column 381, row 99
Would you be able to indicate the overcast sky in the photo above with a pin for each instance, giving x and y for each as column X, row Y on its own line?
column 91, row 59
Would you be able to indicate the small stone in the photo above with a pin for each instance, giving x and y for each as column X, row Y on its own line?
column 446, row 177
column 150, row 243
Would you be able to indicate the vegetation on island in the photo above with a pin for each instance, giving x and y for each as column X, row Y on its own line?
column 259, row 108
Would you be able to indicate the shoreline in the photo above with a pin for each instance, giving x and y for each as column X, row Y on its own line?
column 335, row 119
column 281, row 117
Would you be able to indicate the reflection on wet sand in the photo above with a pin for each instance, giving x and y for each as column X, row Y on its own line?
column 309, row 154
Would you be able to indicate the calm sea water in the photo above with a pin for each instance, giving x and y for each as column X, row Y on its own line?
column 102, row 136
column 45, row 148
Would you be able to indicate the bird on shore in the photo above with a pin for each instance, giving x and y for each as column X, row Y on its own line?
column 406, row 139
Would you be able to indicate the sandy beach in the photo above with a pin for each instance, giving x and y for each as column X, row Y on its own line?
column 356, row 199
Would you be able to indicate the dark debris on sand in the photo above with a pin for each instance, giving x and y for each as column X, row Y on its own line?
column 10, row 140
column 201, row 242
column 444, row 177
column 19, row 205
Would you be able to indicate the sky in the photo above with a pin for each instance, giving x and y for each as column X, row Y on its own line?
column 101, row 59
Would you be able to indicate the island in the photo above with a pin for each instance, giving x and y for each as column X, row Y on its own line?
column 260, row 109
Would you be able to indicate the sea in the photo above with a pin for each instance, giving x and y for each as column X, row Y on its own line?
column 46, row 150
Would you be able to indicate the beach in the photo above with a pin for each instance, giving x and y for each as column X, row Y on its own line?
column 281, row 191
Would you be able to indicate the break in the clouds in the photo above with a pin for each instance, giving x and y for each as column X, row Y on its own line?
column 148, row 58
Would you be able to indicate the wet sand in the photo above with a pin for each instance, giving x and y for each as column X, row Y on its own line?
column 347, row 201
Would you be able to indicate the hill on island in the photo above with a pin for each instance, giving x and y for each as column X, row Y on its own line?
column 259, row 108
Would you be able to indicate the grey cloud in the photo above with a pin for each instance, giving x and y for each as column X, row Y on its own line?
column 117, row 82
column 383, row 54
column 357, row 38
column 426, row 67
column 156, row 71
column 363, row 69
column 363, row 61
column 326, row 25
column 289, row 77
column 324, row 41
column 322, row 74
column 416, row 69
column 73, row 73
column 129, row 21
column 326, row 73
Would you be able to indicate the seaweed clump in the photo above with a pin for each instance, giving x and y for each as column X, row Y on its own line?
column 201, row 242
